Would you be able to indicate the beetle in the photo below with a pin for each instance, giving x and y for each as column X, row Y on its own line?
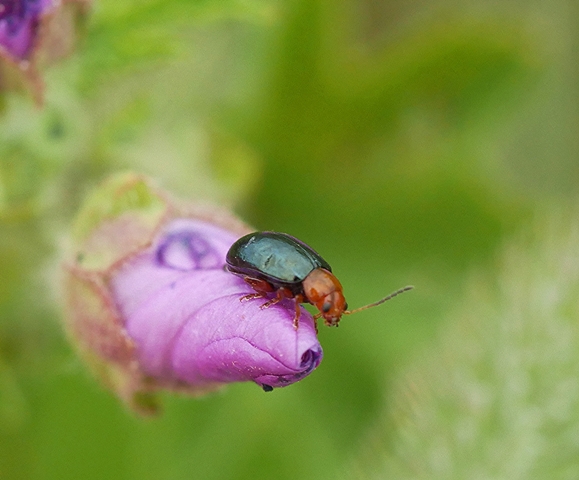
column 277, row 263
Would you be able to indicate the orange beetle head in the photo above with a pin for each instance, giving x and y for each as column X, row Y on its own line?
column 324, row 290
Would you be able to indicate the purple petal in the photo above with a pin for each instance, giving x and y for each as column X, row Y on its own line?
column 246, row 343
column 19, row 22
column 183, row 310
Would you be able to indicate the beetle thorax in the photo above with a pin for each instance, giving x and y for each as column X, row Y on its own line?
column 324, row 290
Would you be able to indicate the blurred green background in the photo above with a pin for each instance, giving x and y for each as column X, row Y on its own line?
column 406, row 141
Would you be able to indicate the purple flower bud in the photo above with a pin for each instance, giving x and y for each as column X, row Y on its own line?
column 183, row 310
column 150, row 305
column 19, row 22
column 33, row 32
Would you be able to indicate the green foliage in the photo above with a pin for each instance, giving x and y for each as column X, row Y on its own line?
column 497, row 396
column 125, row 36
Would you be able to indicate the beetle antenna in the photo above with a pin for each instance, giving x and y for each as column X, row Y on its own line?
column 379, row 302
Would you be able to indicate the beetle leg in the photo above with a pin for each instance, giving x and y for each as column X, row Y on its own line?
column 279, row 295
column 271, row 302
column 316, row 316
column 251, row 295
column 297, row 317
column 299, row 299
column 258, row 285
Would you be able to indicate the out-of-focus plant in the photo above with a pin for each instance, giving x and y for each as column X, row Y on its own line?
column 396, row 136
column 498, row 396
column 33, row 34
